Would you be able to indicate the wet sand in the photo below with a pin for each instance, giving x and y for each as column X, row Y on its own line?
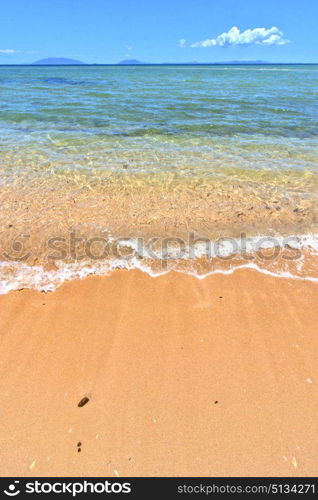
column 212, row 377
column 167, row 206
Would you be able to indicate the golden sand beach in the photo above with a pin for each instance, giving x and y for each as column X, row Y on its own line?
column 212, row 377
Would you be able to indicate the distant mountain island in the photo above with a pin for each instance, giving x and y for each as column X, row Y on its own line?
column 136, row 61
column 243, row 62
column 131, row 61
column 57, row 60
column 257, row 61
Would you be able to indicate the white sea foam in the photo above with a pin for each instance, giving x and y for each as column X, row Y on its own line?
column 17, row 275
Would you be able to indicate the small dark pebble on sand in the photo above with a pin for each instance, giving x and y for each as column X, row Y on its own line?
column 83, row 402
column 215, row 402
column 79, row 450
column 79, row 444
column 220, row 297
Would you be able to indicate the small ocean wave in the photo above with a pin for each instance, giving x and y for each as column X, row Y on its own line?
column 18, row 275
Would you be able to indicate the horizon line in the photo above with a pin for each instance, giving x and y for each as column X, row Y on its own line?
column 239, row 63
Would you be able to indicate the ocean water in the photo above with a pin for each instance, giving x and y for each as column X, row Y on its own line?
column 96, row 161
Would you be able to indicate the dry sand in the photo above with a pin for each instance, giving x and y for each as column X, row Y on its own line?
column 213, row 377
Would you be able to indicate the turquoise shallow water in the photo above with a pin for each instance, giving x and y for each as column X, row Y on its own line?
column 205, row 101
column 241, row 109
column 156, row 150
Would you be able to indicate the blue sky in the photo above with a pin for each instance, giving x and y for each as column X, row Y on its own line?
column 106, row 31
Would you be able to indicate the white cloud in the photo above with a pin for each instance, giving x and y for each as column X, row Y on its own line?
column 182, row 42
column 257, row 36
column 9, row 51
column 129, row 47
